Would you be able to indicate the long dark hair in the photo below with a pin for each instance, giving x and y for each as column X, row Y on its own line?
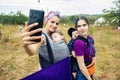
column 81, row 18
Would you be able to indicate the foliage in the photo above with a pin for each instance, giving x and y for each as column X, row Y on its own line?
column 12, row 18
column 93, row 18
column 71, row 19
column 20, row 18
column 113, row 15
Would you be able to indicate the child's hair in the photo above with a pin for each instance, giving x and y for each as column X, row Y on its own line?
column 70, row 30
column 61, row 33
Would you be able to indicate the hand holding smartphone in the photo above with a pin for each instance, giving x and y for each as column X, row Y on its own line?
column 36, row 16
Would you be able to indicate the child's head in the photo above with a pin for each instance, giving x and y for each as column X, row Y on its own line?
column 75, row 34
column 57, row 36
column 72, row 32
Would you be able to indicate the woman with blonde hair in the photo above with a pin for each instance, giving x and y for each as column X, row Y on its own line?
column 46, row 53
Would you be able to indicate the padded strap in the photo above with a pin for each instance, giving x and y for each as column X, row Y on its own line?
column 50, row 52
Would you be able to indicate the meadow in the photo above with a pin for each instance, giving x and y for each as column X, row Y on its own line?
column 16, row 64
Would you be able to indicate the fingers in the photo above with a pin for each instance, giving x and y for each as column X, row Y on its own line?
column 28, row 38
column 42, row 40
column 34, row 31
column 26, row 24
column 30, row 33
column 28, row 27
column 26, row 43
column 26, row 34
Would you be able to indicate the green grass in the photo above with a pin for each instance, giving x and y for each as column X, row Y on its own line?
column 15, row 63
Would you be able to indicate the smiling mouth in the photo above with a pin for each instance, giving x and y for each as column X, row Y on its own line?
column 54, row 28
column 82, row 31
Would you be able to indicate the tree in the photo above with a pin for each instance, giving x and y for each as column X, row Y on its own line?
column 13, row 18
column 113, row 14
column 73, row 18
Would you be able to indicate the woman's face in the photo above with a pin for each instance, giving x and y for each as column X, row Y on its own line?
column 52, row 24
column 82, row 28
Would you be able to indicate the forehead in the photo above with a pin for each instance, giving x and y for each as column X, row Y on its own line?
column 55, row 34
column 55, row 18
column 74, row 32
column 81, row 22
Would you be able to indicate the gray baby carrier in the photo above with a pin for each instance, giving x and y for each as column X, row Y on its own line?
column 52, row 52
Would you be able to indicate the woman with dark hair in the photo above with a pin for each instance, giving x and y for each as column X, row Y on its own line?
column 84, row 50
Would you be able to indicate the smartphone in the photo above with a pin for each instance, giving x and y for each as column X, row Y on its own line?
column 36, row 16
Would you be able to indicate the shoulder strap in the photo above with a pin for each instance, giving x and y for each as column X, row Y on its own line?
column 50, row 52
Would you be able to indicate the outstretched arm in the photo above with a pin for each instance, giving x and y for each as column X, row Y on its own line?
column 30, row 46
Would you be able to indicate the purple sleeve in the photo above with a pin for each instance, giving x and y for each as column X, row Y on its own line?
column 79, row 48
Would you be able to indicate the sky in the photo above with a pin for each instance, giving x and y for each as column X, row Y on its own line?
column 66, row 7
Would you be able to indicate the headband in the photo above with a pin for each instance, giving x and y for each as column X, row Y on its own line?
column 51, row 14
